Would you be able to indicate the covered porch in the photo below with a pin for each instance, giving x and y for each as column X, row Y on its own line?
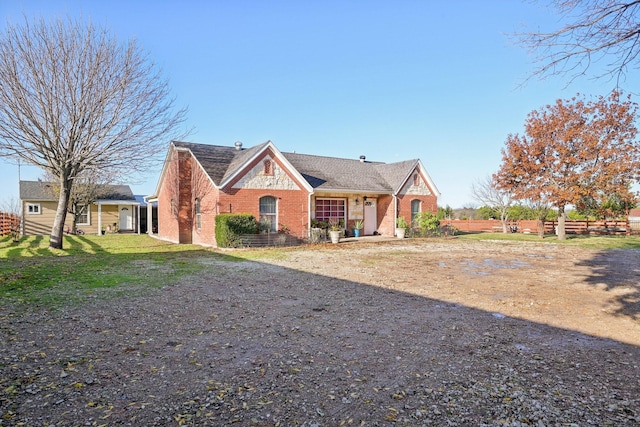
column 117, row 216
column 374, row 210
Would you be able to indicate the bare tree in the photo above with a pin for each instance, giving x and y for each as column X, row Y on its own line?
column 597, row 30
column 72, row 98
column 90, row 185
column 487, row 192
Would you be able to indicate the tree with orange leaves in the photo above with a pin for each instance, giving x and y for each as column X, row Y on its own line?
column 573, row 150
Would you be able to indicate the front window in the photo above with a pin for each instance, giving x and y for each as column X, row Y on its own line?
column 415, row 209
column 268, row 213
column 83, row 216
column 330, row 209
column 33, row 208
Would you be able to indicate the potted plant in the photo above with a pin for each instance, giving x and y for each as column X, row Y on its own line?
column 335, row 229
column 401, row 227
column 357, row 226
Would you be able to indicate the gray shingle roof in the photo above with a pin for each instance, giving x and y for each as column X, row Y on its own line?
column 332, row 173
column 219, row 161
column 322, row 173
column 44, row 191
column 397, row 173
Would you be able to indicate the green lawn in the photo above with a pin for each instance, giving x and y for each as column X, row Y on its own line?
column 109, row 266
column 91, row 267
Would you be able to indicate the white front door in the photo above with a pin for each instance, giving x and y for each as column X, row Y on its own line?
column 370, row 216
column 126, row 218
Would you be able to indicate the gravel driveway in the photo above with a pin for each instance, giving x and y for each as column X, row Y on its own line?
column 410, row 333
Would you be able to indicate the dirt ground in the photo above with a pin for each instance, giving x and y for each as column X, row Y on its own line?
column 434, row 332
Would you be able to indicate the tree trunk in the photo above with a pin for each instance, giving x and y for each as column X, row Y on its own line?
column 561, row 230
column 57, row 232
column 541, row 228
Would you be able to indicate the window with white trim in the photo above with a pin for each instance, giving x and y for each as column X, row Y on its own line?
column 198, row 215
column 84, row 216
column 269, row 212
column 33, row 209
column 415, row 208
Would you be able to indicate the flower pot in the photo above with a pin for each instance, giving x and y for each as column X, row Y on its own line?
column 356, row 232
column 400, row 233
column 335, row 236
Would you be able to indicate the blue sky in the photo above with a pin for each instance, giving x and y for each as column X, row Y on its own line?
column 392, row 80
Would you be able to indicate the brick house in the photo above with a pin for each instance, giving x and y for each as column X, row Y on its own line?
column 288, row 190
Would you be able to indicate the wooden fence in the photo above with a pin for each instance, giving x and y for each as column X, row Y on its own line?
column 531, row 226
column 8, row 222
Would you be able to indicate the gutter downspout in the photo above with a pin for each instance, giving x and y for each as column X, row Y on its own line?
column 395, row 213
column 309, row 215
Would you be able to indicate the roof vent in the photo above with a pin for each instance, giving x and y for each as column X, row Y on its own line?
column 238, row 145
column 363, row 158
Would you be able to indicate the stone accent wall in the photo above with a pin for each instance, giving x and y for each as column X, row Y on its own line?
column 421, row 189
column 256, row 178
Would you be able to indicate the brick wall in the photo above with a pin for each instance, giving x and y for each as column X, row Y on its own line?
column 385, row 212
column 208, row 196
column 427, row 204
column 292, row 206
column 167, row 220
column 185, row 202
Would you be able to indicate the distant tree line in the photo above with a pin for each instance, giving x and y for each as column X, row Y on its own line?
column 612, row 209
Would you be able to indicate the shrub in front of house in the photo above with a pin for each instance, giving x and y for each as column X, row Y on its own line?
column 426, row 224
column 229, row 228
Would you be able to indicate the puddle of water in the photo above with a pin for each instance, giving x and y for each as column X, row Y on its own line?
column 539, row 256
column 492, row 264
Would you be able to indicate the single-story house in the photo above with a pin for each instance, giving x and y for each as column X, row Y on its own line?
column 116, row 210
column 287, row 191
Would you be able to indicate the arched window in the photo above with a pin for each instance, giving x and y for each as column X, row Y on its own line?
column 269, row 213
column 416, row 179
column 268, row 167
column 415, row 208
column 198, row 215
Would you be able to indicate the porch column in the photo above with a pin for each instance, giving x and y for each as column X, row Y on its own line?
column 149, row 217
column 99, row 219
